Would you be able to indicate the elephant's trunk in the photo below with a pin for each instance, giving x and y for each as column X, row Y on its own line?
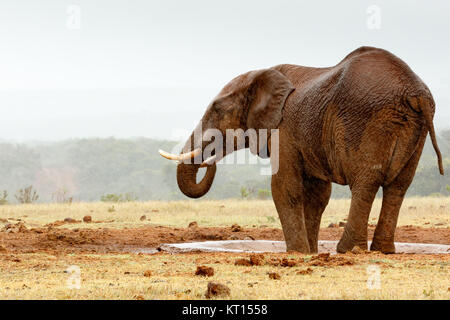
column 187, row 179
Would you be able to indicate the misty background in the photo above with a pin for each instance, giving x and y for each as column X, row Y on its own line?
column 90, row 90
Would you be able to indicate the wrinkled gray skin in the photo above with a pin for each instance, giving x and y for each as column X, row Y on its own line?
column 361, row 123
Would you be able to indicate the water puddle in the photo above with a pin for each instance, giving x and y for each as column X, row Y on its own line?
column 280, row 246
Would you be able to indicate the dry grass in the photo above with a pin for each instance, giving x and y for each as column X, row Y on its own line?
column 415, row 211
column 42, row 276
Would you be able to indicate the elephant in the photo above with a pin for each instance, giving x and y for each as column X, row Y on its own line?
column 361, row 123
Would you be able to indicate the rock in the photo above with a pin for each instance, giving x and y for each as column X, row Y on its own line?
column 233, row 237
column 143, row 218
column 204, row 271
column 216, row 289
column 236, row 228
column 87, row 219
column 249, row 238
column 274, row 276
column 193, row 224
column 147, row 273
column 3, row 249
column 155, row 210
column 70, row 220
column 342, row 224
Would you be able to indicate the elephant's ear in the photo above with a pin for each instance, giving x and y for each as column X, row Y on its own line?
column 266, row 97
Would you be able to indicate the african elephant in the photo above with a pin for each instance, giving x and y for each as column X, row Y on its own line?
column 362, row 123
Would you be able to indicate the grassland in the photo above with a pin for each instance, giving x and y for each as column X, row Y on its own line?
column 43, row 274
column 415, row 211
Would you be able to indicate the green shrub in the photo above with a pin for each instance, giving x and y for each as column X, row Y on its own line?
column 244, row 193
column 264, row 194
column 121, row 197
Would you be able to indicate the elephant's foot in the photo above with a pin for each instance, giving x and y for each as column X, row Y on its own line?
column 297, row 245
column 347, row 243
column 313, row 247
column 385, row 247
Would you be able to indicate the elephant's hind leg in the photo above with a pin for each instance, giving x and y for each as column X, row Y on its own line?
column 317, row 194
column 383, row 239
column 393, row 194
column 355, row 233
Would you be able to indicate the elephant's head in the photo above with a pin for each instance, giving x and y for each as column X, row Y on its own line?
column 254, row 100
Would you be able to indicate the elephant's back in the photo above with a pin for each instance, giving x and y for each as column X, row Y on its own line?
column 335, row 107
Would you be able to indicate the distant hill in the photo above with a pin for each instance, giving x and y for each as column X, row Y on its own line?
column 86, row 169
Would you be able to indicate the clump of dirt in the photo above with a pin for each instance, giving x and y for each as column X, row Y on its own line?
column 236, row 228
column 333, row 225
column 288, row 262
column 143, row 218
column 59, row 223
column 305, row 271
column 147, row 273
column 87, row 219
column 257, row 259
column 357, row 250
column 18, row 227
column 193, row 224
column 325, row 259
column 216, row 289
column 254, row 260
column 274, row 276
column 243, row 262
column 204, row 271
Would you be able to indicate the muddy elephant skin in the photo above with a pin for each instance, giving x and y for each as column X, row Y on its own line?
column 361, row 123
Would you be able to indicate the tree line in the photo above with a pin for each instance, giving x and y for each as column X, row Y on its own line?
column 131, row 169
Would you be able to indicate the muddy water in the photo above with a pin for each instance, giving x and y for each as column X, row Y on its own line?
column 280, row 246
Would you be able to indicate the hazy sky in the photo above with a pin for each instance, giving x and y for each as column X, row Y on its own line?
column 149, row 68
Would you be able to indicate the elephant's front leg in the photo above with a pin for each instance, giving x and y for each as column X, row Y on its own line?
column 317, row 194
column 287, row 192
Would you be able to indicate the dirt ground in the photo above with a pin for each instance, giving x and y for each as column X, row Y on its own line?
column 44, row 248
column 17, row 238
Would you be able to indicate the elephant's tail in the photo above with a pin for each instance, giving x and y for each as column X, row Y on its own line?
column 424, row 105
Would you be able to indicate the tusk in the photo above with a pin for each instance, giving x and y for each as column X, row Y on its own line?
column 210, row 161
column 181, row 157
